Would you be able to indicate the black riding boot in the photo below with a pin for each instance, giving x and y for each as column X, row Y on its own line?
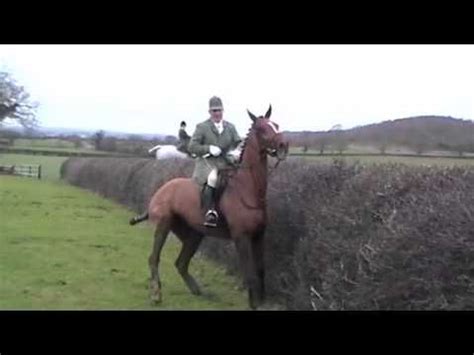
column 208, row 203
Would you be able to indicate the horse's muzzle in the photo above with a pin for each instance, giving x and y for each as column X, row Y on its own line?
column 282, row 151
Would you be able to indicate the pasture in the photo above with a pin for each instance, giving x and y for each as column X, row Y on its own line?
column 66, row 248
column 370, row 149
column 53, row 143
column 50, row 164
column 50, row 146
column 387, row 159
column 63, row 247
column 339, row 236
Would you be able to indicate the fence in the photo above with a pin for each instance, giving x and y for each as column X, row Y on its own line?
column 21, row 170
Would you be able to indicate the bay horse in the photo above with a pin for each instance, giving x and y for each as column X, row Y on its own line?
column 176, row 207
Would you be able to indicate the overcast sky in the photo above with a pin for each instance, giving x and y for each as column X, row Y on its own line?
column 136, row 88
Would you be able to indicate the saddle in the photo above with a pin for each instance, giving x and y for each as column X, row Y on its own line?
column 183, row 148
column 223, row 177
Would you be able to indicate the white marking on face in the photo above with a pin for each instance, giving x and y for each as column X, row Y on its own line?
column 271, row 124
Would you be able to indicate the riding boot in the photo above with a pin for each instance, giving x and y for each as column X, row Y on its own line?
column 208, row 202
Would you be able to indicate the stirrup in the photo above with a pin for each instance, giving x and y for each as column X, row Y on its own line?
column 211, row 218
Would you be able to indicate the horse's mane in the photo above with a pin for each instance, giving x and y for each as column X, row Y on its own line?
column 244, row 144
column 227, row 173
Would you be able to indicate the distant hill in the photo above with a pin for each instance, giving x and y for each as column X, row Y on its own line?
column 83, row 133
column 419, row 134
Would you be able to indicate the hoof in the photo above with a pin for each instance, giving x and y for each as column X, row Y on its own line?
column 196, row 292
column 155, row 293
column 192, row 285
column 154, row 301
column 155, row 298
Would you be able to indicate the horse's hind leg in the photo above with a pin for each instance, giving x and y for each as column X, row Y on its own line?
column 161, row 233
column 191, row 241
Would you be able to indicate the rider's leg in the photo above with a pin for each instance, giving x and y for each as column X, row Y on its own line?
column 209, row 195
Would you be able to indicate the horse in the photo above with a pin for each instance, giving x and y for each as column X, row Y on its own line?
column 242, row 205
column 167, row 152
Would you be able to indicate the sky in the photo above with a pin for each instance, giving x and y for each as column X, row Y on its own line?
column 152, row 88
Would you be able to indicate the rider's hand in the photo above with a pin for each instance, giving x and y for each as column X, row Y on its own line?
column 214, row 150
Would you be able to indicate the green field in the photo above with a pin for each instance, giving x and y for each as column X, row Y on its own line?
column 42, row 143
column 65, row 248
column 62, row 247
column 55, row 145
column 376, row 159
column 49, row 164
column 58, row 149
column 365, row 149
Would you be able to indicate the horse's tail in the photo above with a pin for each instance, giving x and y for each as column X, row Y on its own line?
column 154, row 148
column 138, row 219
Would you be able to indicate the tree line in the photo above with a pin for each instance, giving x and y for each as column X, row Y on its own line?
column 419, row 134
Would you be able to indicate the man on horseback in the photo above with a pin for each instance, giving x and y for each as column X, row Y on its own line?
column 212, row 140
column 184, row 138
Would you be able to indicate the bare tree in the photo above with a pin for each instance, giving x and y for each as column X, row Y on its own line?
column 135, row 137
column 15, row 103
column 76, row 140
column 10, row 135
column 420, row 147
column 322, row 145
column 305, row 141
column 340, row 142
column 460, row 149
column 383, row 147
column 98, row 137
column 108, row 144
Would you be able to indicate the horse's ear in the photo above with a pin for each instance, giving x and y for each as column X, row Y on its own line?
column 252, row 116
column 269, row 112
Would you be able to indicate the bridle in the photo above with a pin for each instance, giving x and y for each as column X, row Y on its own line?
column 273, row 152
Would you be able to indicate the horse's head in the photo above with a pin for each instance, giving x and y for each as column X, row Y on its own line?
column 271, row 139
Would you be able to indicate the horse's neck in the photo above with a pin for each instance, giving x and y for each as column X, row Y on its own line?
column 252, row 176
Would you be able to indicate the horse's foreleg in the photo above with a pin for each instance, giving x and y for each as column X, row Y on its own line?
column 161, row 233
column 258, row 256
column 191, row 244
column 247, row 261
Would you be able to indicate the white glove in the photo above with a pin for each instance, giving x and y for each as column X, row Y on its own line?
column 235, row 154
column 214, row 150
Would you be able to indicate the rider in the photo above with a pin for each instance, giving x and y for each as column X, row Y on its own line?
column 184, row 138
column 211, row 141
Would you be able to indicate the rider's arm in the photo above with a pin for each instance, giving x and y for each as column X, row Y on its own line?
column 196, row 145
column 183, row 135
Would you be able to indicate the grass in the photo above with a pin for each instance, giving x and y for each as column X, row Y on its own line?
column 49, row 164
column 367, row 149
column 65, row 248
column 54, row 145
column 65, row 150
column 423, row 160
column 42, row 143
column 59, row 149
